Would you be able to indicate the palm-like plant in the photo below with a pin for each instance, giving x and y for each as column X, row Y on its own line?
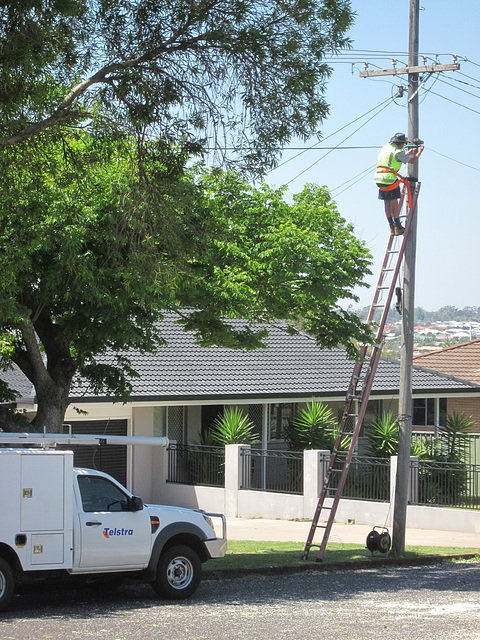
column 383, row 436
column 455, row 433
column 312, row 428
column 234, row 427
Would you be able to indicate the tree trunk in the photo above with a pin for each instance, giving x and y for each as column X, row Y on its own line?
column 52, row 402
column 51, row 375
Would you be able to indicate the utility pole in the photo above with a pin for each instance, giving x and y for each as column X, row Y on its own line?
column 405, row 405
column 405, row 402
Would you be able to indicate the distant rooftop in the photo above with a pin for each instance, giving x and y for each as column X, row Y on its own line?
column 461, row 361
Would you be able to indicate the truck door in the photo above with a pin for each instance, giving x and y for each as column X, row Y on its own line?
column 111, row 534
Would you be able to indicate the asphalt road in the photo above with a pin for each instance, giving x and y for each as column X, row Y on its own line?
column 408, row 603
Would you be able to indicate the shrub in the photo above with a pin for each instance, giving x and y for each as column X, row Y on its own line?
column 234, row 427
column 313, row 427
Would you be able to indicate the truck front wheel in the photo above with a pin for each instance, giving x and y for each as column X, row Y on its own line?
column 179, row 572
column 7, row 583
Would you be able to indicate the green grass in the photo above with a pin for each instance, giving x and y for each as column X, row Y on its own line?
column 247, row 553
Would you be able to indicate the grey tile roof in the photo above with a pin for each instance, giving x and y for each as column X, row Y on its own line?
column 288, row 367
column 19, row 383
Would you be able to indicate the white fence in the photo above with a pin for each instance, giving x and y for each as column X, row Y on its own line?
column 244, row 503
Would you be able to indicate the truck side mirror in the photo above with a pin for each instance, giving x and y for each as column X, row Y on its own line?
column 136, row 503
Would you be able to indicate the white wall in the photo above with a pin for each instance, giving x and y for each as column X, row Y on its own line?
column 235, row 502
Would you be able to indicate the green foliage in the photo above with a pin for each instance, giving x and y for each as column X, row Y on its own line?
column 442, row 483
column 313, row 427
column 233, row 427
column 279, row 261
column 94, row 245
column 382, row 436
column 454, row 435
column 245, row 74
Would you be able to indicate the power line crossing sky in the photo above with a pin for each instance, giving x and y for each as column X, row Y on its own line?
column 366, row 112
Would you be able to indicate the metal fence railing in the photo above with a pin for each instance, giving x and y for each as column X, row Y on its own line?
column 432, row 483
column 196, row 464
column 448, row 484
column 469, row 446
column 368, row 478
column 274, row 471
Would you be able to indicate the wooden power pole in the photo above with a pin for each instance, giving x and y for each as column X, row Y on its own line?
column 405, row 407
column 405, row 402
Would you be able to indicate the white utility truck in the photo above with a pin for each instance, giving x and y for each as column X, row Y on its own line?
column 58, row 521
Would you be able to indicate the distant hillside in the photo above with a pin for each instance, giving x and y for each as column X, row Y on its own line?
column 444, row 314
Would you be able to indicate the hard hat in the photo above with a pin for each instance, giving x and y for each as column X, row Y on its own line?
column 399, row 137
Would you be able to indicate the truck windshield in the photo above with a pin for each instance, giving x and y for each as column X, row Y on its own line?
column 99, row 494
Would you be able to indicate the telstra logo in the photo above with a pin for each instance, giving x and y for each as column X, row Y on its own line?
column 108, row 533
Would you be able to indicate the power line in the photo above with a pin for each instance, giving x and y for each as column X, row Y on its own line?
column 375, row 146
column 453, row 159
column 469, row 93
column 349, row 136
column 469, row 77
column 332, row 134
column 466, row 76
column 353, row 180
column 459, row 104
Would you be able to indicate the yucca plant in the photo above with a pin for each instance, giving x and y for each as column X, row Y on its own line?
column 312, row 428
column 382, row 436
column 455, row 435
column 234, row 427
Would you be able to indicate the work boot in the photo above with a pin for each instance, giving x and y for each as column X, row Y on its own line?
column 392, row 229
column 398, row 230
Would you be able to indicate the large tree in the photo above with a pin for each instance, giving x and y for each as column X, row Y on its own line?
column 95, row 242
column 247, row 74
column 103, row 103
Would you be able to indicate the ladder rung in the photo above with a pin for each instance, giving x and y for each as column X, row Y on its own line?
column 389, row 269
column 394, row 251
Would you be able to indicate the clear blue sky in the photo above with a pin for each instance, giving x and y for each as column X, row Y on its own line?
column 448, row 245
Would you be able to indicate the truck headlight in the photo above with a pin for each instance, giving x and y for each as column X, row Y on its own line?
column 208, row 520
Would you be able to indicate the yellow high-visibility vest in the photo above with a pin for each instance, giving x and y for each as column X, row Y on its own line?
column 386, row 160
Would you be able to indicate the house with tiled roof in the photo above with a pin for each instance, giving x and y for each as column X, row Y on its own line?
column 461, row 362
column 182, row 388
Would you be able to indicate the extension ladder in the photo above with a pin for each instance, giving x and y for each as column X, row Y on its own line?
column 386, row 283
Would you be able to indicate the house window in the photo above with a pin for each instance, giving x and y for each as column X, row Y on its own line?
column 424, row 411
column 280, row 416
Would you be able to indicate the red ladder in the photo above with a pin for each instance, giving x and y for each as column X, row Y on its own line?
column 386, row 282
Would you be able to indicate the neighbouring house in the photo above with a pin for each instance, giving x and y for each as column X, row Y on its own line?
column 182, row 388
column 461, row 362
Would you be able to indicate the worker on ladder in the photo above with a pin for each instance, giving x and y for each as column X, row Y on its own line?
column 390, row 159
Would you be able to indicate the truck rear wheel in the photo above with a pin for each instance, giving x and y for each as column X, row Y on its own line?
column 7, row 583
column 179, row 572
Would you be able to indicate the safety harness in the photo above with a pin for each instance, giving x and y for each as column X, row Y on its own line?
column 393, row 186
